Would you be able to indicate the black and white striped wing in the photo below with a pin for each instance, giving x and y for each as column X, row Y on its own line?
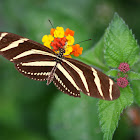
column 15, row 48
column 65, row 82
column 31, row 58
column 71, row 76
column 35, row 61
column 81, row 77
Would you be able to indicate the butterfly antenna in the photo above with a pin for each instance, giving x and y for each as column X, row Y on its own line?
column 83, row 41
column 50, row 23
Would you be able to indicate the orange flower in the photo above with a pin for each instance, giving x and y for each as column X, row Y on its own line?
column 69, row 32
column 58, row 43
column 52, row 31
column 77, row 50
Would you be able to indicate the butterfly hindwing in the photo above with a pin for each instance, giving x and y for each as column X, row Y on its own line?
column 64, row 83
column 36, row 70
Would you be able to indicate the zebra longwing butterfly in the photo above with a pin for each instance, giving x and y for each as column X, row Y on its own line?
column 70, row 76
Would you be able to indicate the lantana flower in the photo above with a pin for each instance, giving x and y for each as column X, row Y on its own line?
column 69, row 32
column 122, row 82
column 77, row 50
column 124, row 67
column 68, row 50
column 59, row 32
column 59, row 38
column 52, row 31
column 70, row 39
column 47, row 39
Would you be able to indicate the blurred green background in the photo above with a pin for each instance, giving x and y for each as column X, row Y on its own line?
column 30, row 110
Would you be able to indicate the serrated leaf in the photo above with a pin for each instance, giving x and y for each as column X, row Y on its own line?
column 112, row 72
column 133, row 75
column 109, row 112
column 120, row 44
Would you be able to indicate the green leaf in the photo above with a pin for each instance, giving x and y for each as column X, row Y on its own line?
column 109, row 112
column 75, row 118
column 133, row 75
column 112, row 72
column 136, row 67
column 120, row 44
column 136, row 89
column 95, row 56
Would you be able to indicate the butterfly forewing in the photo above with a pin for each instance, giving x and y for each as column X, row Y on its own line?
column 15, row 48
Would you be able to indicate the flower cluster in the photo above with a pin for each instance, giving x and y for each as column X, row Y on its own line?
column 122, row 81
column 59, row 38
column 124, row 67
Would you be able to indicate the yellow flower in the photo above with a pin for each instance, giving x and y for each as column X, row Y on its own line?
column 59, row 32
column 68, row 50
column 47, row 38
column 47, row 44
column 70, row 39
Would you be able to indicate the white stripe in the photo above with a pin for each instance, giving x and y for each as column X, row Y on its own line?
column 41, row 73
column 33, row 51
column 110, row 88
column 97, row 82
column 14, row 44
column 67, row 75
column 80, row 73
column 39, row 63
column 3, row 35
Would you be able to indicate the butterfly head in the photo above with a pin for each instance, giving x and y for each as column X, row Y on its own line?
column 61, row 52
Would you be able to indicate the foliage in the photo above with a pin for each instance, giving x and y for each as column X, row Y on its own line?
column 120, row 46
column 31, row 110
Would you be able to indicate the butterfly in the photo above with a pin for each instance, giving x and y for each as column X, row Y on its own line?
column 70, row 76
